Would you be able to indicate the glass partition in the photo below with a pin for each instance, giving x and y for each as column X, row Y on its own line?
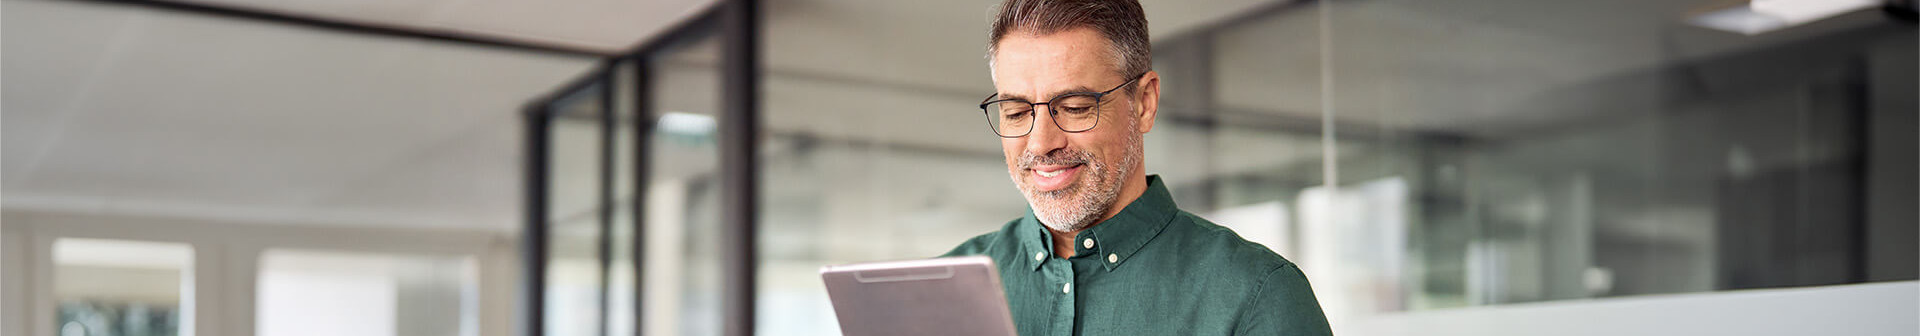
column 1564, row 150
column 1408, row 155
column 682, row 216
column 622, row 297
column 631, row 196
column 574, row 270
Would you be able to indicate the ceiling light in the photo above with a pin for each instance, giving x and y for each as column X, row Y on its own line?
column 1760, row 16
column 686, row 124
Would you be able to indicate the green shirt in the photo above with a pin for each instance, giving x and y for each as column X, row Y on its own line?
column 1150, row 270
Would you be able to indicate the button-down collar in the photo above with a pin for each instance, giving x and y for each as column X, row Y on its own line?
column 1115, row 239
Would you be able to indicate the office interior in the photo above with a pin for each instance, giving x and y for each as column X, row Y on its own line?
column 684, row 167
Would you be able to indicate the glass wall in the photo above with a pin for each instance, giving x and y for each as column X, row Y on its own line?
column 574, row 269
column 632, row 193
column 1409, row 155
column 622, row 281
column 1558, row 150
column 682, row 200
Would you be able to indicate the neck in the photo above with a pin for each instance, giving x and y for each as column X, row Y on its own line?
column 1131, row 190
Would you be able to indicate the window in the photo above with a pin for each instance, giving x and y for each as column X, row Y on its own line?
column 323, row 293
column 122, row 287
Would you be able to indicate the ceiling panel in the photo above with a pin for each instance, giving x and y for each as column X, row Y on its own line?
column 604, row 25
column 118, row 108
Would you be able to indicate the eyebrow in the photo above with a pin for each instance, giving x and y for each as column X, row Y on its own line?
column 1077, row 89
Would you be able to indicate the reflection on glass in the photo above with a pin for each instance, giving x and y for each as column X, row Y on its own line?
column 620, row 276
column 1634, row 155
column 122, row 288
column 682, row 200
column 316, row 293
column 573, row 267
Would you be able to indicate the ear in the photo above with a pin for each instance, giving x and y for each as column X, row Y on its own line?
column 1149, row 99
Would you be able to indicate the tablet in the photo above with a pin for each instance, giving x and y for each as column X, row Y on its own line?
column 945, row 296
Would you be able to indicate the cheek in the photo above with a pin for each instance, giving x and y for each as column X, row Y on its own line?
column 1012, row 149
column 1101, row 142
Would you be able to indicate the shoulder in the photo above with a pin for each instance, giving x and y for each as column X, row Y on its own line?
column 982, row 244
column 1278, row 296
column 1283, row 301
column 1224, row 245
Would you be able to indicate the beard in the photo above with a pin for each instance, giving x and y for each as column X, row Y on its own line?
column 1080, row 204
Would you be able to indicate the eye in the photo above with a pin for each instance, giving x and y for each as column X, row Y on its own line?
column 1014, row 115
column 1072, row 109
column 1077, row 105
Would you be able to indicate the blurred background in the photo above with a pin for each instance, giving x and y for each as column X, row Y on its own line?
column 576, row 167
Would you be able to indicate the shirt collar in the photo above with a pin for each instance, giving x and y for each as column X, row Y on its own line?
column 1117, row 238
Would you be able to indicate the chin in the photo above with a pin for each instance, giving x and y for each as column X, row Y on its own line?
column 1067, row 209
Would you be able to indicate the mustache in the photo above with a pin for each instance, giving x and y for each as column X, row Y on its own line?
column 1062, row 157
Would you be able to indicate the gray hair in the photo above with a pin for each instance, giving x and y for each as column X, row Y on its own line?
column 1122, row 22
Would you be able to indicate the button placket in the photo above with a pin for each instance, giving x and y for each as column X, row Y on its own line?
column 1062, row 276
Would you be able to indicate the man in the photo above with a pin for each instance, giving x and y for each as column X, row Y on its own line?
column 1103, row 250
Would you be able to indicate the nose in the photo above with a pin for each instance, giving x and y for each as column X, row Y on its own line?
column 1046, row 136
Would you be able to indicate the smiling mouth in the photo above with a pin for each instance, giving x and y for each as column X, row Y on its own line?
column 1050, row 173
column 1055, row 171
column 1053, row 178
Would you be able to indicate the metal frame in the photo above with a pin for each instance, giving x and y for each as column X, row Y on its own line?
column 533, row 237
column 739, row 127
column 536, row 233
column 607, row 106
column 738, row 22
column 642, row 164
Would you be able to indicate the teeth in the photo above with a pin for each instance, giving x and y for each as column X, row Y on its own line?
column 1044, row 173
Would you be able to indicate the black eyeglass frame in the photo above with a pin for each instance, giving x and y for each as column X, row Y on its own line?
column 1099, row 99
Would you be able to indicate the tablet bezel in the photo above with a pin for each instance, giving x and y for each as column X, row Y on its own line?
column 954, row 296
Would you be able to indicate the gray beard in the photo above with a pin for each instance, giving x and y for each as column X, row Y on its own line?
column 1080, row 205
column 1061, row 211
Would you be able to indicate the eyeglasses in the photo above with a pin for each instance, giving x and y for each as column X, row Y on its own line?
column 1072, row 112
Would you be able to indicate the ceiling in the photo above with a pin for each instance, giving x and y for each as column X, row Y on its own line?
column 123, row 109
column 607, row 26
column 131, row 110
column 127, row 109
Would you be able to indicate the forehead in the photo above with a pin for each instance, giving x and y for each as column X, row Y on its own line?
column 1028, row 65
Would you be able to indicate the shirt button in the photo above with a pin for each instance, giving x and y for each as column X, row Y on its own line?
column 1113, row 258
column 1067, row 288
column 1038, row 256
column 1087, row 243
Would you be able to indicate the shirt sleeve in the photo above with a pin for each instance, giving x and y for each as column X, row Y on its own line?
column 1283, row 305
column 974, row 246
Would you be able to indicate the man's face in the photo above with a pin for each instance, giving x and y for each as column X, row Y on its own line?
column 1070, row 179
